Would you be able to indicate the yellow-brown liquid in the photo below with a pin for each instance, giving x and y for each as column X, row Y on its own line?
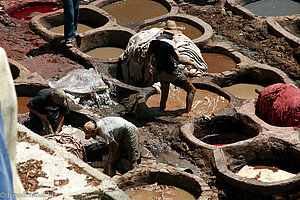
column 205, row 103
column 218, row 63
column 135, row 10
column 150, row 192
column 81, row 28
column 244, row 90
column 22, row 101
column 105, row 52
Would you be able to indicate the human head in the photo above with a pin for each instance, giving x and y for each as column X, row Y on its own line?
column 89, row 129
column 60, row 97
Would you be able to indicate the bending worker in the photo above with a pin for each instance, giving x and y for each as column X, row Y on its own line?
column 47, row 111
column 122, row 137
column 166, row 59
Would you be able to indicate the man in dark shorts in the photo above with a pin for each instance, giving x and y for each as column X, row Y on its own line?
column 168, row 72
column 47, row 111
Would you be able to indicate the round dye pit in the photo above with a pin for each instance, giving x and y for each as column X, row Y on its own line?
column 134, row 12
column 205, row 103
column 105, row 52
column 264, row 173
column 187, row 29
column 27, row 13
column 276, row 160
column 146, row 180
column 154, row 191
column 291, row 26
column 51, row 25
column 244, row 90
column 218, row 63
column 273, row 7
column 107, row 45
column 223, row 130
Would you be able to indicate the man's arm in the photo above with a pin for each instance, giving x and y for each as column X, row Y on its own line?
column 185, row 61
column 43, row 118
column 148, row 63
column 60, row 122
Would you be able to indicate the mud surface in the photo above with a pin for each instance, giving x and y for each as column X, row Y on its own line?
column 251, row 37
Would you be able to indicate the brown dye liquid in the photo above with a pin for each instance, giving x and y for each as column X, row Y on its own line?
column 22, row 101
column 244, row 90
column 135, row 10
column 205, row 103
column 105, row 52
column 81, row 28
column 218, row 63
column 150, row 192
column 190, row 31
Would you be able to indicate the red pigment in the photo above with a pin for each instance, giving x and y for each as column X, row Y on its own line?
column 218, row 144
column 29, row 12
column 52, row 61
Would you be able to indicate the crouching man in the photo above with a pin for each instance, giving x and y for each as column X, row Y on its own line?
column 122, row 137
column 47, row 111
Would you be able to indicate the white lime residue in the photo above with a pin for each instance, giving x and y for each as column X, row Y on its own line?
column 55, row 167
column 264, row 175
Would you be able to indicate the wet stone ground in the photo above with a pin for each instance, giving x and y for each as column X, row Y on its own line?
column 251, row 37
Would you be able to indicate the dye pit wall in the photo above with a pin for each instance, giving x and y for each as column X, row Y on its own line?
column 166, row 175
column 170, row 6
column 264, row 151
column 219, row 131
column 249, row 78
column 205, row 30
column 89, row 16
column 106, row 38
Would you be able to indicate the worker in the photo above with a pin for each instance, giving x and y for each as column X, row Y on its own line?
column 122, row 137
column 167, row 60
column 47, row 111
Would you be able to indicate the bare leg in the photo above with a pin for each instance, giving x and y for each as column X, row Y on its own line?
column 164, row 94
column 190, row 98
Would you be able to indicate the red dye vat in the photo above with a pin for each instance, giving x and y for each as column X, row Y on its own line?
column 27, row 13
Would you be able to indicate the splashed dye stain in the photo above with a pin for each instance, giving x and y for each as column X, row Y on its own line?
column 27, row 13
column 205, row 103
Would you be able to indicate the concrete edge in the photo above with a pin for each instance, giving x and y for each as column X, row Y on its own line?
column 107, row 189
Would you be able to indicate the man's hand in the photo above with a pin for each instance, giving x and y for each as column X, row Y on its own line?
column 43, row 118
column 150, row 69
